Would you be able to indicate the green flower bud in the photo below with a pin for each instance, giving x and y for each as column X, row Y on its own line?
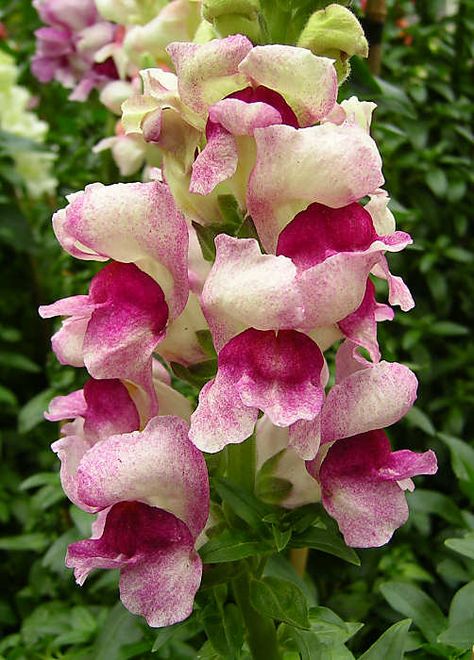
column 334, row 30
column 212, row 9
column 205, row 32
column 238, row 24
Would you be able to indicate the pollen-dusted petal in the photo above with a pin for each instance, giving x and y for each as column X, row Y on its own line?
column 278, row 373
column 130, row 223
column 158, row 466
column 359, row 486
column 246, row 289
column 160, row 571
column 216, row 163
column 361, row 326
column 308, row 83
column 242, row 118
column 209, row 72
column 221, row 417
column 328, row 164
column 334, row 251
column 66, row 407
column 368, row 399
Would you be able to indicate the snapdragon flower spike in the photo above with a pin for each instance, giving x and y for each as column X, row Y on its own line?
column 334, row 251
column 130, row 223
column 152, row 493
column 114, row 330
column 277, row 373
column 363, row 482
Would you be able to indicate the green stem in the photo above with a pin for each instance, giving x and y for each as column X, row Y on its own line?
column 241, row 464
column 261, row 632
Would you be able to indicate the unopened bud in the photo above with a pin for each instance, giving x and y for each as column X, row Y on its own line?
column 335, row 32
column 212, row 9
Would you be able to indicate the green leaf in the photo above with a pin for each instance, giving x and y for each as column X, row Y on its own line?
column 231, row 546
column 36, row 542
column 326, row 541
column 224, row 627
column 330, row 628
column 7, row 397
column 419, row 419
column 243, row 503
column 462, row 604
column 197, row 374
column 179, row 631
column 437, row 182
column 281, row 600
column 119, row 629
column 229, row 208
column 17, row 361
column 460, row 635
column 465, row 546
column 32, row 413
column 415, row 604
column 448, row 329
column 432, row 502
column 391, row 644
column 40, row 479
column 204, row 338
column 462, row 457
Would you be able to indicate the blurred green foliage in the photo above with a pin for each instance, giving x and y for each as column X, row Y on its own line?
column 415, row 597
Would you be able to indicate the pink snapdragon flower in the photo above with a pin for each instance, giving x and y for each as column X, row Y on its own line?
column 114, row 330
column 150, row 489
column 225, row 90
column 76, row 48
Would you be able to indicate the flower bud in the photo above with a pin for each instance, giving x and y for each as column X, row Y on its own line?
column 212, row 9
column 335, row 32
column 233, row 17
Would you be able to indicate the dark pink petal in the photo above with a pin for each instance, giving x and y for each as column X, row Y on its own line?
column 160, row 570
column 130, row 314
column 405, row 464
column 398, row 292
column 361, row 326
column 320, row 232
column 261, row 94
column 110, row 409
column 158, row 466
column 359, row 486
column 278, row 373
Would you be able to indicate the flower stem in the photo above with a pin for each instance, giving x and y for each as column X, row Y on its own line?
column 241, row 464
column 261, row 632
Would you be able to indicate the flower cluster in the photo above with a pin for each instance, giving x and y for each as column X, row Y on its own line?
column 258, row 154
column 16, row 117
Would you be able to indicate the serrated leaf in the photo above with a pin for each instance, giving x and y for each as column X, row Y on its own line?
column 415, row 604
column 391, row 644
column 281, row 600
